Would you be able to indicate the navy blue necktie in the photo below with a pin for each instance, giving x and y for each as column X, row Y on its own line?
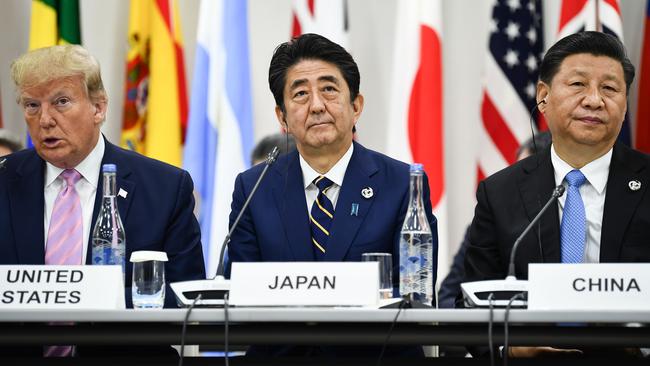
column 320, row 217
column 573, row 230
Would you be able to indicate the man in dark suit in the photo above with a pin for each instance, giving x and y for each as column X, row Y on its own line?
column 605, row 213
column 64, row 102
column 315, row 83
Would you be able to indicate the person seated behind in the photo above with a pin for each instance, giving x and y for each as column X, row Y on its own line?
column 450, row 287
column 582, row 92
column 315, row 83
column 9, row 143
column 283, row 141
column 64, row 102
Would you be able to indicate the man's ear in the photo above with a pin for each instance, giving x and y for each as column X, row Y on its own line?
column 100, row 108
column 543, row 91
column 281, row 119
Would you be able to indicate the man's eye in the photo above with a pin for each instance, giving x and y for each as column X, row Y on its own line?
column 30, row 106
column 300, row 93
column 62, row 101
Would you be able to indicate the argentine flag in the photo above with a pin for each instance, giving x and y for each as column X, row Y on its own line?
column 220, row 128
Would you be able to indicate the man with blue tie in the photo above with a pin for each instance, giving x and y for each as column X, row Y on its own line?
column 604, row 216
column 332, row 199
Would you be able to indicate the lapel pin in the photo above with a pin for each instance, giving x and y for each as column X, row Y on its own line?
column 634, row 185
column 367, row 192
column 355, row 209
column 122, row 193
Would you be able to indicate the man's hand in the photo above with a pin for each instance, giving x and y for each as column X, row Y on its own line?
column 530, row 352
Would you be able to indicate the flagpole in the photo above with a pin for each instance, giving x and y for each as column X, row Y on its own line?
column 599, row 26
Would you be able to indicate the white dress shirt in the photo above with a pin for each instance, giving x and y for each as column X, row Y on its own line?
column 593, row 197
column 336, row 175
column 86, row 189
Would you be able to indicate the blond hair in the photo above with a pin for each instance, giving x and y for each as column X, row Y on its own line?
column 58, row 62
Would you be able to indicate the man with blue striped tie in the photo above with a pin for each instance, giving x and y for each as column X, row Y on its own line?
column 605, row 214
column 332, row 199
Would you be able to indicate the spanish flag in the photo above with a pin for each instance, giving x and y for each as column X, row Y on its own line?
column 155, row 109
column 54, row 22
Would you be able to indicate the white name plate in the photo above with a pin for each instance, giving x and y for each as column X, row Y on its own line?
column 304, row 284
column 61, row 287
column 589, row 286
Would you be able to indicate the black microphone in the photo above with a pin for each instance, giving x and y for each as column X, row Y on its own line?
column 557, row 193
column 213, row 291
column 477, row 293
column 270, row 159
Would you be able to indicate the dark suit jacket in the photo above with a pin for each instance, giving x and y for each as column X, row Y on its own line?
column 275, row 227
column 510, row 199
column 156, row 213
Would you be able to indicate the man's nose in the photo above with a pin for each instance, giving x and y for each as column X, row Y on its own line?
column 46, row 118
column 593, row 98
column 317, row 104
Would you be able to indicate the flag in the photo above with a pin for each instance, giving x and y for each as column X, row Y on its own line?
column 416, row 131
column 155, row 106
column 220, row 131
column 642, row 135
column 594, row 15
column 53, row 22
column 329, row 18
column 515, row 49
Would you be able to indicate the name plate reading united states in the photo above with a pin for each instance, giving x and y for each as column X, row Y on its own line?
column 589, row 286
column 304, row 284
column 61, row 287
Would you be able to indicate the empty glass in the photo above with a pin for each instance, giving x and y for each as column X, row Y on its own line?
column 385, row 261
column 148, row 288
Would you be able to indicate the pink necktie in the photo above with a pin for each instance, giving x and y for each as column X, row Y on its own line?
column 65, row 237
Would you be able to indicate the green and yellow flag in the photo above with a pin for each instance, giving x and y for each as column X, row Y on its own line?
column 54, row 22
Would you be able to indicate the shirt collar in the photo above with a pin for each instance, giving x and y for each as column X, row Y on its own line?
column 88, row 168
column 596, row 171
column 335, row 174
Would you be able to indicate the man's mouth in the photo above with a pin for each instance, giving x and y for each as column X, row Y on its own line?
column 591, row 120
column 51, row 142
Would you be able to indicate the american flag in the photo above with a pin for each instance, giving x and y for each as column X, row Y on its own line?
column 511, row 70
column 642, row 135
column 594, row 15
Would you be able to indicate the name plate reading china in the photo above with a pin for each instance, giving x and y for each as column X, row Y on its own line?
column 61, row 287
column 589, row 286
column 304, row 284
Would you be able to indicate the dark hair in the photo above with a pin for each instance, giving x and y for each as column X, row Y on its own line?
column 310, row 46
column 10, row 141
column 283, row 141
column 542, row 141
column 594, row 43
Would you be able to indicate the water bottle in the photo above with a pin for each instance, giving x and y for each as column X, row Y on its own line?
column 108, row 241
column 416, row 245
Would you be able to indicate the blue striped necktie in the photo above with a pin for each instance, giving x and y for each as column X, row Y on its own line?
column 573, row 230
column 320, row 217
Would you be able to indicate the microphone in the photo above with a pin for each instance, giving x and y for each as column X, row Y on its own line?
column 476, row 294
column 212, row 291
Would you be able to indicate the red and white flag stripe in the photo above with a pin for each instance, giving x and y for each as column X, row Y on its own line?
column 325, row 17
column 590, row 15
column 416, row 133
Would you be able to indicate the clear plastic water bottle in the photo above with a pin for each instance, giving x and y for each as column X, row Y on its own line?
column 416, row 245
column 108, row 241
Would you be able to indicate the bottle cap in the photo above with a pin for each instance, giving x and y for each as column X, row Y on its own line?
column 416, row 168
column 109, row 168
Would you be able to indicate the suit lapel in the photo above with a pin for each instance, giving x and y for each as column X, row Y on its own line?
column 290, row 199
column 112, row 155
column 535, row 187
column 27, row 210
column 620, row 200
column 346, row 225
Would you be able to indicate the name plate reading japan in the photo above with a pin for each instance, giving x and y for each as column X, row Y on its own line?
column 589, row 286
column 61, row 287
column 304, row 284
